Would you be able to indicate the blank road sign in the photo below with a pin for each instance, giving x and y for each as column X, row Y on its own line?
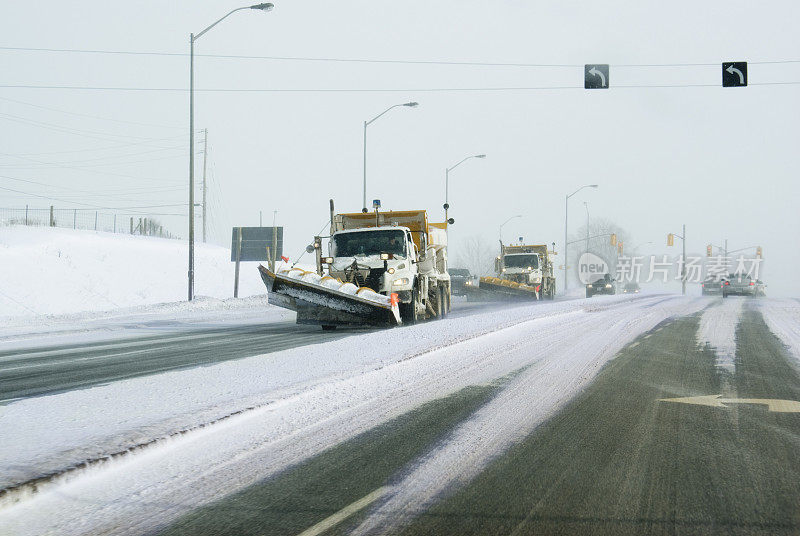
column 255, row 241
column 595, row 76
column 734, row 74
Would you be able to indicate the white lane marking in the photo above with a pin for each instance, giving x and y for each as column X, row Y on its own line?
column 344, row 513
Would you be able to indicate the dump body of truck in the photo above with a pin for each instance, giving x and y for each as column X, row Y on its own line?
column 523, row 271
column 396, row 259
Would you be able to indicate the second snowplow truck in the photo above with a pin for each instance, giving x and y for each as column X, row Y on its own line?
column 523, row 271
column 382, row 269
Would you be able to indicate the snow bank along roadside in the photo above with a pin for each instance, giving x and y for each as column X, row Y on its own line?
column 47, row 270
column 573, row 359
column 50, row 434
column 783, row 319
column 144, row 491
column 717, row 329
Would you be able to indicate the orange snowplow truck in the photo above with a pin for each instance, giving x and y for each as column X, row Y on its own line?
column 523, row 271
column 381, row 269
column 392, row 252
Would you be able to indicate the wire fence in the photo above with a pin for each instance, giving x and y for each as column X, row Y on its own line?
column 85, row 219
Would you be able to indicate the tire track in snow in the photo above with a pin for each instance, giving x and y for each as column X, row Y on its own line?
column 143, row 491
column 94, row 438
column 717, row 329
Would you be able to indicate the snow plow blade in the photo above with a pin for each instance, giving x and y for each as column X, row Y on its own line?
column 501, row 289
column 317, row 304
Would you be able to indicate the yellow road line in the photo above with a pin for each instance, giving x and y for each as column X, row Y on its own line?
column 344, row 513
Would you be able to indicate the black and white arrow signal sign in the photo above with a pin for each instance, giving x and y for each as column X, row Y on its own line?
column 595, row 76
column 734, row 74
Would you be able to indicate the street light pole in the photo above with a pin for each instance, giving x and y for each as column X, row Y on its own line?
column 191, row 166
column 192, row 38
column 366, row 124
column 447, row 181
column 566, row 221
column 585, row 204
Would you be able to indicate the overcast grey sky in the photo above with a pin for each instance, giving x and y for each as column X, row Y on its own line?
column 722, row 161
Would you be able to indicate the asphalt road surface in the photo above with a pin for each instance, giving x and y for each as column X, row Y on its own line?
column 620, row 458
column 40, row 370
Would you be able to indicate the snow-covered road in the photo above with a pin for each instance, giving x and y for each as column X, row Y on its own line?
column 296, row 403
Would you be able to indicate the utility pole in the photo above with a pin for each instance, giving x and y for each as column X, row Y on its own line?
column 727, row 261
column 683, row 264
column 274, row 240
column 260, row 219
column 205, row 158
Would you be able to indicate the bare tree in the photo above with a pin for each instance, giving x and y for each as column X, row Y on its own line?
column 475, row 254
column 599, row 242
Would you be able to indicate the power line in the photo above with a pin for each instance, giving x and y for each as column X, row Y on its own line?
column 89, row 115
column 90, row 205
column 96, row 172
column 108, row 157
column 124, row 191
column 375, row 90
column 69, row 130
column 368, row 60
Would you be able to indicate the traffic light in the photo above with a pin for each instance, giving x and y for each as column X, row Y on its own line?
column 619, row 247
column 708, row 250
column 758, row 252
column 670, row 239
column 613, row 239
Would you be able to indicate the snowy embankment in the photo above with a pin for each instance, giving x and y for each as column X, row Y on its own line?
column 783, row 319
column 717, row 329
column 342, row 389
column 54, row 271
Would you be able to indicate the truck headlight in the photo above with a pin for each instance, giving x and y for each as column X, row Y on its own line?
column 608, row 285
column 400, row 282
column 327, row 260
column 390, row 270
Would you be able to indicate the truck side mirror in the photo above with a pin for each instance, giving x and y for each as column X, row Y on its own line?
column 497, row 265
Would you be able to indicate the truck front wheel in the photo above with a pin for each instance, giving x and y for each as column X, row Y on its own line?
column 408, row 311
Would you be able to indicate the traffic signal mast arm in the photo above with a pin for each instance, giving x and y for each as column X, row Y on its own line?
column 591, row 237
column 722, row 249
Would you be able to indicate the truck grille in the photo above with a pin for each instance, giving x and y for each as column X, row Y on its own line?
column 374, row 279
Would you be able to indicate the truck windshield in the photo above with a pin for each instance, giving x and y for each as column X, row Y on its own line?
column 363, row 243
column 530, row 261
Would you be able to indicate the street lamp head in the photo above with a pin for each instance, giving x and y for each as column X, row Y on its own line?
column 480, row 156
column 263, row 7
column 411, row 104
column 592, row 186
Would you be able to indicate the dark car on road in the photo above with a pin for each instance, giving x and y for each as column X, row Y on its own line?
column 603, row 285
column 631, row 288
column 460, row 281
column 712, row 286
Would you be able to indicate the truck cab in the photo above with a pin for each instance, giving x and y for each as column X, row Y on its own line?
column 381, row 258
column 521, row 267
